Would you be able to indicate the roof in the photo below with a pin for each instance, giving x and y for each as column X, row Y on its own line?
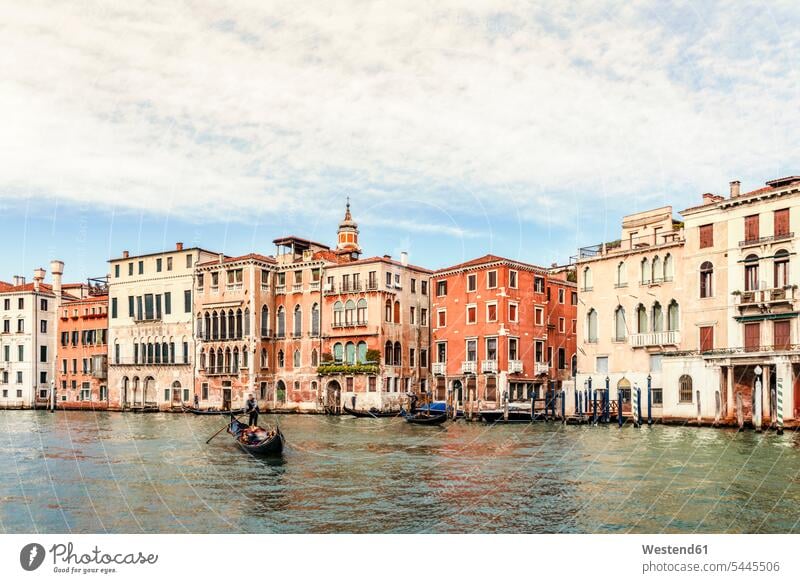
column 102, row 299
column 164, row 252
column 388, row 261
column 487, row 259
column 29, row 288
column 772, row 186
column 291, row 238
column 247, row 257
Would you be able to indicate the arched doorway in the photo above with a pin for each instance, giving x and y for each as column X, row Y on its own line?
column 123, row 397
column 280, row 392
column 458, row 392
column 148, row 392
column 176, row 393
column 135, row 391
column 333, row 392
column 624, row 387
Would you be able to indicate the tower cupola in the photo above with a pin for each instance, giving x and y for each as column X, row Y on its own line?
column 348, row 233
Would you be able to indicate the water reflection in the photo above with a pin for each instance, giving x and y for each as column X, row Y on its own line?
column 107, row 472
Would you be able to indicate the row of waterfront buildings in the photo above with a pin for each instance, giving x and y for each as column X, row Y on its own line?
column 696, row 309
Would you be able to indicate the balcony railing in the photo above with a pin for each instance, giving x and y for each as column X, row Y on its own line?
column 540, row 368
column 765, row 240
column 766, row 296
column 280, row 289
column 439, row 368
column 314, row 286
column 489, row 366
column 297, row 287
column 264, row 287
column 469, row 367
column 266, row 333
column 350, row 324
column 668, row 338
column 234, row 287
column 514, row 366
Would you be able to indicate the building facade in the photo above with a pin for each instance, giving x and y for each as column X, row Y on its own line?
column 82, row 371
column 29, row 313
column 151, row 336
column 502, row 330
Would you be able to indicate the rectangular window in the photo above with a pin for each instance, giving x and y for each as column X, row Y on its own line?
column 538, row 316
column 549, row 356
column 538, row 351
column 706, row 236
column 472, row 314
column 116, row 271
column 441, row 318
column 472, row 282
column 187, row 301
column 562, row 359
column 113, row 307
column 441, row 352
column 43, row 354
column 574, row 298
column 513, row 349
column 169, row 263
column 706, row 338
column 781, row 223
column 19, row 381
column 423, row 287
column 388, row 279
column 21, row 353
column 141, row 267
column 189, row 260
column 513, row 310
column 423, row 358
column 441, row 288
column 561, row 296
column 655, row 363
column 512, row 279
column 781, row 332
column 751, row 232
column 149, row 307
column 538, row 285
column 491, row 349
column 491, row 279
column 167, row 302
column 413, row 285
column 423, row 317
column 412, row 316
column 472, row 350
column 491, row 312
column 130, row 268
column 43, row 304
column 752, row 336
column 186, row 350
column 159, row 263
column 601, row 364
column 43, row 326
column 562, row 325
column 20, row 325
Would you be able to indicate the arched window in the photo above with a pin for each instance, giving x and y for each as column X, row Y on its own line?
column 591, row 325
column 388, row 353
column 238, row 323
column 220, row 361
column 751, row 273
column 781, row 275
column 388, row 313
column 232, row 331
column 657, row 318
column 673, row 317
column 350, row 353
column 641, row 319
column 397, row 312
column 338, row 352
column 574, row 367
column 247, row 321
column 669, row 268
column 227, row 360
column 314, row 358
column 207, row 326
column 214, row 325
column 361, row 309
column 685, row 389
column 622, row 274
column 281, row 322
column 645, row 271
column 212, row 361
column 619, row 324
column 223, row 325
column 398, row 354
column 235, row 361
column 338, row 314
column 587, row 279
column 657, row 269
column 202, row 360
column 706, row 279
column 158, row 353
column 296, row 360
column 362, row 351
column 264, row 362
column 200, row 325
column 264, row 321
column 298, row 321
column 281, row 360
column 245, row 357
column 315, row 320
column 350, row 312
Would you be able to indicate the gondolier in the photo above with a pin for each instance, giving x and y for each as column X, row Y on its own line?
column 251, row 407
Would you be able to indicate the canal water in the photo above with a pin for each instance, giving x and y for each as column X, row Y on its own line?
column 83, row 472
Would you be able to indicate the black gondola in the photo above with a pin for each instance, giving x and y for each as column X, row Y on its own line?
column 256, row 440
column 371, row 413
column 426, row 419
column 194, row 411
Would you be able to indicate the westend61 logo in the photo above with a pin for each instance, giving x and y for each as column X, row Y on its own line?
column 66, row 560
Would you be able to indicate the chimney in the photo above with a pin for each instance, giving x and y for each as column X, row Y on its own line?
column 387, row 256
column 709, row 198
column 404, row 258
column 125, row 254
column 735, row 188
column 38, row 278
column 179, row 246
column 19, row 280
column 57, row 269
column 221, row 258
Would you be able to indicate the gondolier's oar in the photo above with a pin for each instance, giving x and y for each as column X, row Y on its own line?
column 220, row 431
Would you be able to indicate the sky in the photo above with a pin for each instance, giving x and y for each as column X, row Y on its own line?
column 523, row 129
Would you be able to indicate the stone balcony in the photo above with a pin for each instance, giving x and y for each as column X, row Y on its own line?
column 439, row 368
column 766, row 296
column 668, row 338
column 469, row 367
column 540, row 368
column 489, row 366
column 514, row 366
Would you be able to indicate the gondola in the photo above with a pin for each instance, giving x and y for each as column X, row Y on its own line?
column 371, row 413
column 425, row 419
column 514, row 415
column 194, row 411
column 257, row 440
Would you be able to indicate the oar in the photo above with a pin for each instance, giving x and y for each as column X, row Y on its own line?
column 220, row 431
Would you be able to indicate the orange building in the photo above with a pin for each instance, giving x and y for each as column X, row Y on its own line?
column 82, row 374
column 502, row 329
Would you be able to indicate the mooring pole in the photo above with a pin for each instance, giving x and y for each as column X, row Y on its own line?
column 563, row 406
column 639, row 406
column 594, row 407
column 607, row 401
column 779, row 405
column 619, row 407
column 533, row 406
column 649, row 400
column 757, row 410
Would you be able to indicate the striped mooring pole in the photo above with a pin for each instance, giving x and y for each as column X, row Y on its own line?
column 779, row 406
column 635, row 406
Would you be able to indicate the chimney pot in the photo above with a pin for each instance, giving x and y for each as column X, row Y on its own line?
column 735, row 188
column 179, row 246
column 125, row 254
column 404, row 258
column 221, row 257
column 387, row 256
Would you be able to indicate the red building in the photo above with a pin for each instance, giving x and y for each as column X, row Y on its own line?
column 82, row 374
column 501, row 329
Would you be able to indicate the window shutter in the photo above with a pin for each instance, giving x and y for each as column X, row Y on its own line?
column 781, row 334
column 706, row 338
column 706, row 236
column 751, row 228
column 781, row 222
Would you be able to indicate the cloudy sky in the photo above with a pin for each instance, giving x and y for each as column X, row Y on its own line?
column 457, row 128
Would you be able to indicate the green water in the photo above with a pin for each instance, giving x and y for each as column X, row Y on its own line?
column 82, row 472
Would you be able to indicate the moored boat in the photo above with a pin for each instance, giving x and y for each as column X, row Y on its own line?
column 194, row 411
column 256, row 440
column 373, row 412
column 426, row 418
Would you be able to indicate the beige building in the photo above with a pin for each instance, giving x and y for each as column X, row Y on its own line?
column 151, row 328
column 701, row 326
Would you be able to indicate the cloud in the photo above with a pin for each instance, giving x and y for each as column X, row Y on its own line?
column 544, row 110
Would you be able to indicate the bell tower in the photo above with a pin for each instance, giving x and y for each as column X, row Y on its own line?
column 348, row 233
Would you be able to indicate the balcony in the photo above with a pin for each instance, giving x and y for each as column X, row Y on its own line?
column 265, row 287
column 514, row 366
column 353, row 324
column 314, row 286
column 280, row 289
column 489, row 366
column 266, row 333
column 297, row 288
column 469, row 367
column 765, row 240
column 439, row 368
column 766, row 296
column 541, row 368
column 668, row 338
column 234, row 287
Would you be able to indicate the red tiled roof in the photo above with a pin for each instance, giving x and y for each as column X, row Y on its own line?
column 103, row 299
column 28, row 287
column 488, row 258
column 377, row 259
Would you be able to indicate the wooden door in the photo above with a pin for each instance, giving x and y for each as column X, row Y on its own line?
column 226, row 399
